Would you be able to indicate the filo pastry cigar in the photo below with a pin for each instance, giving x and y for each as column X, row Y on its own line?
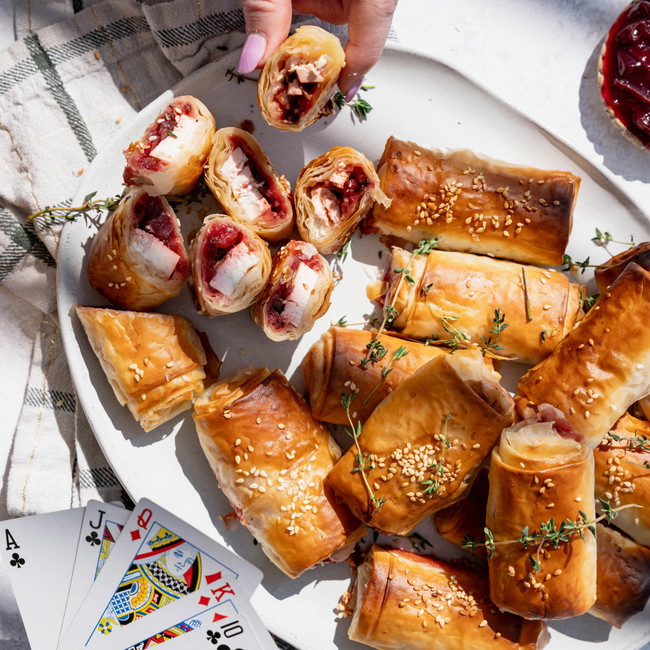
column 334, row 193
column 155, row 363
column 297, row 293
column 602, row 366
column 458, row 293
column 424, row 444
column 606, row 273
column 621, row 475
column 404, row 601
column 169, row 157
column 541, row 475
column 243, row 180
column 475, row 204
column 230, row 266
column 298, row 80
column 137, row 259
column 270, row 458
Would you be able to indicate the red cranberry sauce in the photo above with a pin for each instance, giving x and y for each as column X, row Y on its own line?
column 547, row 413
column 219, row 240
column 150, row 215
column 295, row 106
column 626, row 70
column 351, row 193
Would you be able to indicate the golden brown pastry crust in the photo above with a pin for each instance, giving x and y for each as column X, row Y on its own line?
column 270, row 457
column 122, row 270
column 470, row 202
column 411, row 434
column 309, row 43
column 276, row 222
column 608, row 272
column 336, row 174
column 466, row 289
column 247, row 286
column 154, row 362
column 602, row 366
column 413, row 602
column 621, row 478
column 529, row 496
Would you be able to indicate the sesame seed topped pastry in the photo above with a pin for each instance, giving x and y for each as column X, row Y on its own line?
column 423, row 445
column 456, row 294
column 169, row 157
column 334, row 193
column 155, row 363
column 606, row 273
column 404, row 601
column 230, row 266
column 622, row 478
column 270, row 458
column 541, row 475
column 243, row 180
column 602, row 366
column 137, row 258
column 299, row 78
column 475, row 204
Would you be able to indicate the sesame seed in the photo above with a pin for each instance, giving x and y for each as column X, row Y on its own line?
column 483, row 623
column 250, row 448
column 557, row 572
column 282, row 426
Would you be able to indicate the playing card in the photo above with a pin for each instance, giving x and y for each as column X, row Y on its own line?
column 39, row 553
column 100, row 528
column 157, row 559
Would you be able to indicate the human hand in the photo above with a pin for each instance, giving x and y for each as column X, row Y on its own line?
column 268, row 23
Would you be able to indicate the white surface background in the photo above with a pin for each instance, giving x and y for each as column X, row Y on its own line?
column 539, row 55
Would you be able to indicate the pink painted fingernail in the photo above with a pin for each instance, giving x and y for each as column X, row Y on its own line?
column 251, row 53
column 349, row 96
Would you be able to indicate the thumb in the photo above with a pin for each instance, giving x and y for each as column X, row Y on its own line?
column 267, row 25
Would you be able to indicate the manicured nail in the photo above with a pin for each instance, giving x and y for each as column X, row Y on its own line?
column 349, row 96
column 251, row 53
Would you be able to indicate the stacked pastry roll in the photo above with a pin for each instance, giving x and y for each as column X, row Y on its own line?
column 270, row 458
column 608, row 272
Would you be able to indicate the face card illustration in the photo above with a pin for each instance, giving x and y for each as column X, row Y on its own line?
column 38, row 553
column 157, row 559
column 100, row 528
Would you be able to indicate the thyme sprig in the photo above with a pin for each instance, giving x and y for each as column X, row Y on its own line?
column 432, row 485
column 343, row 251
column 360, row 107
column 386, row 370
column 89, row 205
column 570, row 264
column 232, row 74
column 457, row 338
column 418, row 542
column 604, row 238
column 498, row 325
column 639, row 442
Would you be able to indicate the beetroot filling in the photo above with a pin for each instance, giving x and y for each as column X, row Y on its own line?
column 219, row 241
column 348, row 198
column 626, row 70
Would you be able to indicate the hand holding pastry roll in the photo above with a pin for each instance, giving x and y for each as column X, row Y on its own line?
column 169, row 157
column 421, row 448
column 404, row 601
column 270, row 458
column 137, row 258
column 541, row 476
column 334, row 193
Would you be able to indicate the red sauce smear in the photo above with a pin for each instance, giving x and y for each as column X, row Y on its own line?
column 138, row 157
column 151, row 216
column 220, row 239
column 626, row 70
column 349, row 196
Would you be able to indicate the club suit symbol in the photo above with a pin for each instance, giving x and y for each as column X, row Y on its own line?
column 16, row 560
column 213, row 637
column 93, row 539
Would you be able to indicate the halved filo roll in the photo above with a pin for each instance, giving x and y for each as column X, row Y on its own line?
column 421, row 448
column 230, row 266
column 622, row 475
column 404, row 601
column 137, row 259
column 299, row 78
column 297, row 293
column 541, row 476
column 333, row 194
column 169, row 157
column 475, row 204
column 270, row 458
column 155, row 363
column 453, row 297
column 606, row 273
column 602, row 366
column 244, row 181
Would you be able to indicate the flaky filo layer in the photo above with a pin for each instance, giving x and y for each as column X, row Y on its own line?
column 333, row 194
column 270, row 458
column 244, row 181
column 137, row 259
column 424, row 443
column 606, row 273
column 404, row 601
column 299, row 78
column 451, row 295
column 537, row 474
column 475, row 204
